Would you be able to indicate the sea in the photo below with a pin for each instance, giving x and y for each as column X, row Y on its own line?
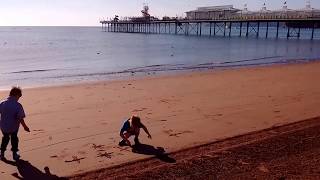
column 48, row 56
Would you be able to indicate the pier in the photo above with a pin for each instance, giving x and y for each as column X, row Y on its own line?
column 273, row 28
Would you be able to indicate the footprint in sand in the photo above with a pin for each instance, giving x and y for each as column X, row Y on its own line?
column 164, row 101
column 54, row 156
column 170, row 132
column 82, row 152
column 279, row 116
column 94, row 146
column 180, row 133
column 75, row 159
column 105, row 154
column 212, row 116
column 101, row 152
column 139, row 110
column 174, row 115
column 123, row 148
column 38, row 130
column 35, row 134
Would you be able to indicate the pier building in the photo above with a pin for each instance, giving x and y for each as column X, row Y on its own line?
column 213, row 12
column 229, row 12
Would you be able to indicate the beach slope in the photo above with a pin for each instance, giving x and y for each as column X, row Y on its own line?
column 75, row 129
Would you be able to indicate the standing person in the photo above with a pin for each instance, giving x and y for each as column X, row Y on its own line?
column 131, row 127
column 12, row 115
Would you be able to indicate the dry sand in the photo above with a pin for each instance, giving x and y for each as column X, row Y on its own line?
column 75, row 128
column 290, row 151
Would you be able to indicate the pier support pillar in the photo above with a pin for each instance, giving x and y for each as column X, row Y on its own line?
column 176, row 28
column 224, row 29
column 165, row 28
column 258, row 30
column 247, row 33
column 186, row 29
column 197, row 29
column 230, row 29
column 278, row 24
column 240, row 34
column 288, row 32
column 312, row 33
column 267, row 31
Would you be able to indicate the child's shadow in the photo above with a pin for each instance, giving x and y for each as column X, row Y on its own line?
column 28, row 172
column 159, row 152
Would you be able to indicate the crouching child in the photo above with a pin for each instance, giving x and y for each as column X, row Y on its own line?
column 131, row 127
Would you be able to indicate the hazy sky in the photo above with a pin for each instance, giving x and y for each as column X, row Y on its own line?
column 88, row 12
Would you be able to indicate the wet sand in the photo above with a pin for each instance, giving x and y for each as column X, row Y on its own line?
column 75, row 129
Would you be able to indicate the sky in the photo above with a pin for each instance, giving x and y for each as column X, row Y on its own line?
column 89, row 12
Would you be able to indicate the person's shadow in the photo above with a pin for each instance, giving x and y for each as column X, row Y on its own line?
column 28, row 172
column 158, row 152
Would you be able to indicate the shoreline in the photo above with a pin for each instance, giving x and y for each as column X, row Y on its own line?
column 143, row 74
column 167, row 73
column 75, row 127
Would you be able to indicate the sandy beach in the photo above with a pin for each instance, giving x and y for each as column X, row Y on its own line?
column 75, row 129
column 295, row 154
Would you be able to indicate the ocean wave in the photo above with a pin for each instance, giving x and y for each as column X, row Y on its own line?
column 179, row 66
column 32, row 71
column 183, row 67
